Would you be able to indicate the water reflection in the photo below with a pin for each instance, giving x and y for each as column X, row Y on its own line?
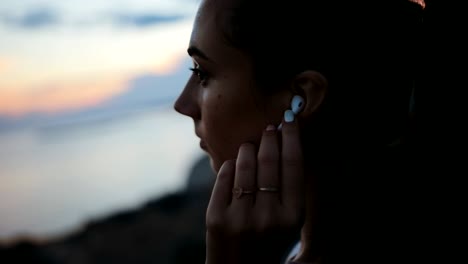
column 53, row 179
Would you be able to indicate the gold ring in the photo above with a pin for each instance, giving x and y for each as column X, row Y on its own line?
column 238, row 192
column 268, row 189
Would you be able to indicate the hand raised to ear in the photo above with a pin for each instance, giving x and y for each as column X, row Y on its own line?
column 257, row 205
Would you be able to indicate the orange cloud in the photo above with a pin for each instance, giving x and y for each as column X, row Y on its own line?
column 5, row 64
column 29, row 91
column 60, row 96
column 168, row 64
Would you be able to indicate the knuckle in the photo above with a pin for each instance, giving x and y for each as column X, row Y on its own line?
column 238, row 227
column 246, row 165
column 268, row 158
column 214, row 222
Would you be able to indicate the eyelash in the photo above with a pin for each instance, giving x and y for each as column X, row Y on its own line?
column 202, row 75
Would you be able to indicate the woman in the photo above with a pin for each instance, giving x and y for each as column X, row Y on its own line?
column 251, row 58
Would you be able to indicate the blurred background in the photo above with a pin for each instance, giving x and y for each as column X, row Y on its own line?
column 95, row 165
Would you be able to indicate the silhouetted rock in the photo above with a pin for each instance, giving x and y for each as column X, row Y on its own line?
column 24, row 252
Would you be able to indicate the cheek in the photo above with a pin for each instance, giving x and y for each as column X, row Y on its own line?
column 229, row 119
column 221, row 120
column 212, row 110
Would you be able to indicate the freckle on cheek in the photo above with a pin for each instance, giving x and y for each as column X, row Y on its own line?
column 219, row 96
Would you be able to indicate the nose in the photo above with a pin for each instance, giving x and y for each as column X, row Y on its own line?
column 187, row 103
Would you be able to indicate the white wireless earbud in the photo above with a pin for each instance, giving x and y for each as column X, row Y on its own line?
column 297, row 105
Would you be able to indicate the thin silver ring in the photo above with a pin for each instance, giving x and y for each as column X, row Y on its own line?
column 268, row 189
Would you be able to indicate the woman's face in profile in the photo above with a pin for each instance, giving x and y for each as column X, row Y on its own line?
column 221, row 96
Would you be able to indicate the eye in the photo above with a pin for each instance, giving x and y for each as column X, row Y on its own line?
column 202, row 75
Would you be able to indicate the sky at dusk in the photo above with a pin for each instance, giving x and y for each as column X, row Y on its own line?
column 86, row 94
column 63, row 55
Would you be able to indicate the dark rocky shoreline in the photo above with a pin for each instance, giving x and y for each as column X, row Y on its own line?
column 170, row 229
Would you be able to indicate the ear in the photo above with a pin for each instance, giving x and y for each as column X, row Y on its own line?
column 312, row 86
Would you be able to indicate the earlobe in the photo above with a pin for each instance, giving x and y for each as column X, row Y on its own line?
column 312, row 87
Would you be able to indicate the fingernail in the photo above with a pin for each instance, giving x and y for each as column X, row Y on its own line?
column 270, row 128
column 288, row 116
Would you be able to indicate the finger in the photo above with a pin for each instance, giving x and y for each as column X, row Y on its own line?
column 268, row 169
column 245, row 176
column 221, row 194
column 292, row 177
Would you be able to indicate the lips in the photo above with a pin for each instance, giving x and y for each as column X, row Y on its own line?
column 202, row 143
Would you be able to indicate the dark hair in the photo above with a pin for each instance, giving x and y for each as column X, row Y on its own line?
column 367, row 50
column 369, row 53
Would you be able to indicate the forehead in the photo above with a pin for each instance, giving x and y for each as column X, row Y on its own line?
column 210, row 12
column 207, row 34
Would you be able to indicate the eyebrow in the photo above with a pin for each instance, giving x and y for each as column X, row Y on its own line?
column 194, row 51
